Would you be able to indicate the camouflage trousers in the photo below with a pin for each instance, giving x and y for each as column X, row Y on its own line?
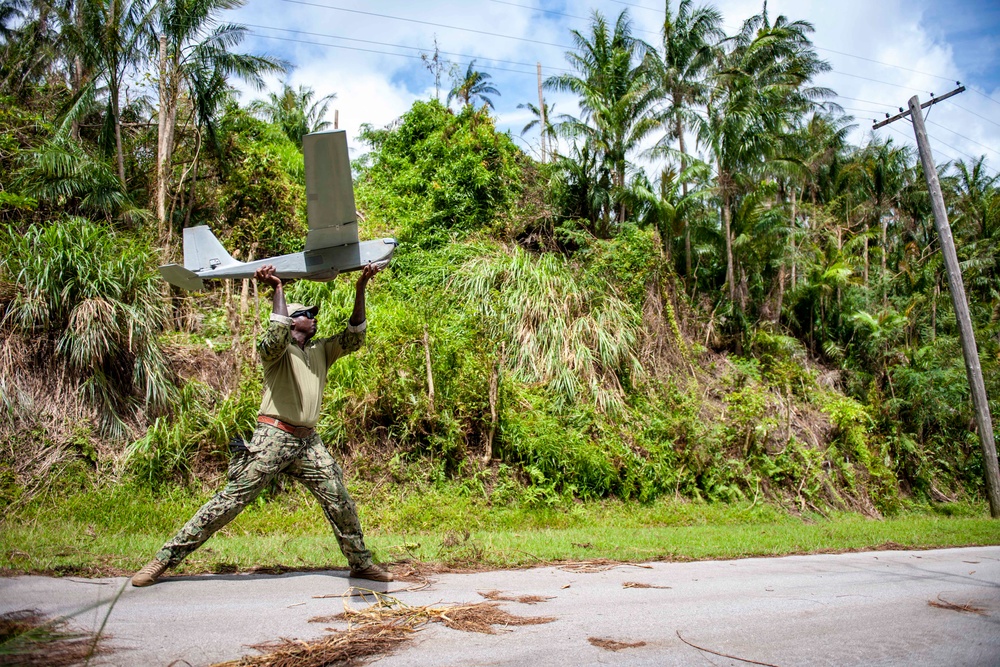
column 272, row 451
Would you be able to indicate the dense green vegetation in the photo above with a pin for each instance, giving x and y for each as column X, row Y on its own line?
column 766, row 322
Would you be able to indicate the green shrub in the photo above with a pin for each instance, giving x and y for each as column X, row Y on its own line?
column 262, row 198
column 437, row 176
column 201, row 422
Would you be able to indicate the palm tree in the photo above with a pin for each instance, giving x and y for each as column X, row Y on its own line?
column 671, row 207
column 543, row 121
column 30, row 43
column 191, row 55
column 473, row 85
column 11, row 12
column 110, row 37
column 616, row 97
column 883, row 172
column 760, row 89
column 974, row 188
column 294, row 111
column 62, row 175
column 810, row 165
column 689, row 39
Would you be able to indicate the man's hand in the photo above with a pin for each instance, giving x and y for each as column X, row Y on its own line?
column 267, row 274
column 367, row 273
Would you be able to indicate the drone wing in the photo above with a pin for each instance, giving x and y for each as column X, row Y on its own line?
column 329, row 191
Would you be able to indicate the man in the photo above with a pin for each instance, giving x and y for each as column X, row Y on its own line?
column 295, row 370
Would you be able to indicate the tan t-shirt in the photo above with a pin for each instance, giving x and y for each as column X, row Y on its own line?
column 294, row 377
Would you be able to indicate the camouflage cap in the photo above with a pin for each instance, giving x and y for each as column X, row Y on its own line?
column 299, row 308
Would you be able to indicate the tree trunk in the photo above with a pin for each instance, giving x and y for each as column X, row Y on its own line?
column 161, row 149
column 684, row 190
column 663, row 226
column 118, row 131
column 885, row 233
column 840, row 247
column 77, row 68
column 937, row 291
column 541, row 111
column 194, row 179
column 794, row 227
column 168, row 108
column 866, row 254
column 494, row 398
column 781, row 294
column 430, row 374
column 726, row 215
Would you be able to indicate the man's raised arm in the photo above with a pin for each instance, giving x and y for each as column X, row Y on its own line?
column 358, row 317
column 279, row 330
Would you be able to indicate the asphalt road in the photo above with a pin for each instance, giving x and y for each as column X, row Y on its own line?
column 846, row 609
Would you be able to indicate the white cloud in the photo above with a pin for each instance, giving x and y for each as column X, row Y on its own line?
column 377, row 87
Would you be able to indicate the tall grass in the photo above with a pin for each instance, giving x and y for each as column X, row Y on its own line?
column 578, row 340
column 88, row 307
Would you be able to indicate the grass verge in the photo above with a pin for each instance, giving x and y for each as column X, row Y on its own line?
column 115, row 530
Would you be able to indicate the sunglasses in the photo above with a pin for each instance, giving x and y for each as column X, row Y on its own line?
column 305, row 313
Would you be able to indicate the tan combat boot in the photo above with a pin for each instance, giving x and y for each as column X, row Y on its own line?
column 372, row 572
column 148, row 575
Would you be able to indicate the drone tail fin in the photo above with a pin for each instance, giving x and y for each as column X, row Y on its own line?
column 203, row 251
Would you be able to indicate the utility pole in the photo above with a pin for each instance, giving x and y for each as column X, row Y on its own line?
column 958, row 299
column 541, row 108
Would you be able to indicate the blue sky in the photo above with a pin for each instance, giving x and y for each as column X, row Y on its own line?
column 974, row 28
column 368, row 53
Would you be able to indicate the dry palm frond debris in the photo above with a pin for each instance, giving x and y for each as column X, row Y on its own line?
column 377, row 629
column 28, row 638
column 597, row 565
column 338, row 648
column 638, row 584
column 612, row 645
column 477, row 617
column 967, row 607
column 498, row 596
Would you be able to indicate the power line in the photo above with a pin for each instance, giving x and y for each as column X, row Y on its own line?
column 858, row 76
column 333, row 46
column 854, row 99
column 632, row 4
column 971, row 157
column 879, row 62
column 384, row 53
column 871, row 60
column 569, row 16
column 539, row 9
column 976, row 115
column 973, row 141
column 915, row 108
column 430, row 23
column 402, row 46
column 944, row 143
column 563, row 46
column 908, row 137
column 986, row 96
column 871, row 111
